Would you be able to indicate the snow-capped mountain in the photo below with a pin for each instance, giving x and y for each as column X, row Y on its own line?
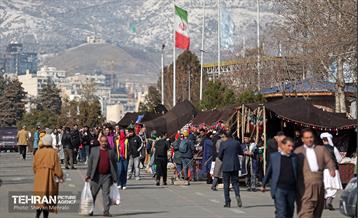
column 51, row 26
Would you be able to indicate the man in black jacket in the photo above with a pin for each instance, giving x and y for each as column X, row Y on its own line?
column 86, row 138
column 134, row 148
column 76, row 141
column 161, row 148
column 67, row 147
column 229, row 152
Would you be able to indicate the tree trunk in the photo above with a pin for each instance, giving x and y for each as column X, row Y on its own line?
column 340, row 85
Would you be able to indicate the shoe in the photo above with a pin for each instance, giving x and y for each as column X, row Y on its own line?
column 214, row 189
column 249, row 189
column 119, row 187
column 137, row 178
column 124, row 187
column 188, row 183
column 330, row 207
column 157, row 183
column 73, row 168
column 67, row 168
column 129, row 177
column 90, row 214
column 253, row 189
column 107, row 214
column 227, row 204
column 165, row 183
column 239, row 202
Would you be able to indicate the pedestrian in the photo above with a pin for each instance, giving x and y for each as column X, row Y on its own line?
column 207, row 144
column 86, row 138
column 229, row 155
column 48, row 174
column 282, row 171
column 177, row 156
column 252, row 162
column 36, row 139
column 297, row 139
column 56, row 141
column 76, row 142
column 273, row 144
column 312, row 160
column 134, row 146
column 331, row 184
column 217, row 174
column 149, row 152
column 122, row 159
column 102, row 172
column 187, row 149
column 68, row 148
column 142, row 136
column 161, row 148
column 22, row 140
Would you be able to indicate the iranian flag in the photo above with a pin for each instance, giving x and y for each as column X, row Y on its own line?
column 182, row 39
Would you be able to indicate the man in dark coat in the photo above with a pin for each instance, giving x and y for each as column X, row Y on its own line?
column 228, row 154
column 134, row 148
column 161, row 148
column 76, row 141
column 282, row 171
column 101, row 172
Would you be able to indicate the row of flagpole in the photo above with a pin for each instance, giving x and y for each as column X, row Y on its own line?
column 202, row 52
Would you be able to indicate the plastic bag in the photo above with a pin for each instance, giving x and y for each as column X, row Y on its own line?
column 86, row 203
column 114, row 195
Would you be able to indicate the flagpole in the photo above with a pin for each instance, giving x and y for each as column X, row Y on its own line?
column 219, row 32
column 174, row 59
column 163, row 46
column 202, row 53
column 258, row 45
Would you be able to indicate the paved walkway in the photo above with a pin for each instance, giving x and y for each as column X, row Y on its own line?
column 142, row 198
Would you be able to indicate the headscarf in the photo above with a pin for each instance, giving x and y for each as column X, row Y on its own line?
column 46, row 141
column 328, row 136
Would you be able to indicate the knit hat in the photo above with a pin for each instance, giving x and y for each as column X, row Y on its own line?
column 47, row 140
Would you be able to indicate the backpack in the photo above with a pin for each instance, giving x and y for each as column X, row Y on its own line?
column 183, row 146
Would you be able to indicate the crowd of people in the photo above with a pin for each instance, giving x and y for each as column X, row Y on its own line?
column 298, row 171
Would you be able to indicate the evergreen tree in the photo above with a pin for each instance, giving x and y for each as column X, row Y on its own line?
column 217, row 95
column 49, row 98
column 12, row 103
column 250, row 97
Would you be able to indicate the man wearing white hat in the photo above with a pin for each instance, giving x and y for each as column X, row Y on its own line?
column 331, row 184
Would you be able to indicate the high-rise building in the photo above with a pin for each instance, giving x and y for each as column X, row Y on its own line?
column 17, row 61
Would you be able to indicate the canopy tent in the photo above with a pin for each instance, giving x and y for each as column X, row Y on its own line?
column 173, row 120
column 137, row 117
column 303, row 113
column 212, row 116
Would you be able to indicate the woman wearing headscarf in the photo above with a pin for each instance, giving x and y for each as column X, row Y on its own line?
column 331, row 184
column 48, row 173
column 122, row 159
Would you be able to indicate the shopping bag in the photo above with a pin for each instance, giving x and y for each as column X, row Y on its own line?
column 212, row 168
column 114, row 195
column 86, row 203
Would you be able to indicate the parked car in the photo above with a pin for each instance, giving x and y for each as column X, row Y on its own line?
column 8, row 139
column 348, row 202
